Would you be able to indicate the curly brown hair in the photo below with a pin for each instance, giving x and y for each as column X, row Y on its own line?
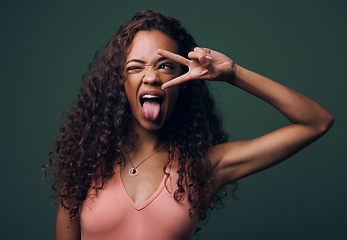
column 97, row 131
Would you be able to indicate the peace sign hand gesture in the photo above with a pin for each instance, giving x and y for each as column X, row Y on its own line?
column 203, row 64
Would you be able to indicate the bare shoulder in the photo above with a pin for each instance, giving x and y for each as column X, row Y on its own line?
column 65, row 229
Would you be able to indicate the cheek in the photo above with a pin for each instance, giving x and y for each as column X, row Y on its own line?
column 173, row 95
column 129, row 89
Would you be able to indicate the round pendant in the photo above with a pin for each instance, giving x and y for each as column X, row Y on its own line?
column 133, row 172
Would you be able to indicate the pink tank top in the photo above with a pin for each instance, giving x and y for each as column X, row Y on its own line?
column 113, row 215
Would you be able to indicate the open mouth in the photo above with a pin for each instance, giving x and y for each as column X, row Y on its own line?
column 151, row 106
column 152, row 98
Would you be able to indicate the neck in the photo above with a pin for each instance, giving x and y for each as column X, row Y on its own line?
column 148, row 141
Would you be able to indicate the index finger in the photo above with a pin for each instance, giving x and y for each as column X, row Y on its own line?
column 173, row 56
column 176, row 81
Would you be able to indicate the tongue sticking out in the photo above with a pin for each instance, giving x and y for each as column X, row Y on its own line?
column 151, row 110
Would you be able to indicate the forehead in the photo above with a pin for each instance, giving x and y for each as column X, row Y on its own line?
column 145, row 44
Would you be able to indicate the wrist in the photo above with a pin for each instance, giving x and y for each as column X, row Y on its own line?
column 232, row 76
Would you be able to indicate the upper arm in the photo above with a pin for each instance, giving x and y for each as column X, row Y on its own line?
column 65, row 229
column 235, row 160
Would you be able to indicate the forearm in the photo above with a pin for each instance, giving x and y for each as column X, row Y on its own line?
column 297, row 108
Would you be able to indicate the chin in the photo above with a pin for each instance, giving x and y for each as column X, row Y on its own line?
column 149, row 125
column 153, row 125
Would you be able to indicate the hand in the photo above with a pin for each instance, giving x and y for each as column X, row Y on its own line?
column 204, row 64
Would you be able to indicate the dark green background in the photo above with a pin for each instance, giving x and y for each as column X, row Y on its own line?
column 46, row 47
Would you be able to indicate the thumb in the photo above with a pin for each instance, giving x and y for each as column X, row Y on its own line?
column 205, row 61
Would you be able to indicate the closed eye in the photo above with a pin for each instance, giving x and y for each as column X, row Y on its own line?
column 134, row 69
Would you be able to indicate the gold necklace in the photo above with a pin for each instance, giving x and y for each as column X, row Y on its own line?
column 134, row 171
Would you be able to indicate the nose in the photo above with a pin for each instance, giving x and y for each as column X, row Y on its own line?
column 151, row 77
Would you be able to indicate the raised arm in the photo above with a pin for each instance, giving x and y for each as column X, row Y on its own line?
column 235, row 160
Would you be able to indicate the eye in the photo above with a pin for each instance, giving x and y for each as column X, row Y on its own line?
column 167, row 66
column 134, row 69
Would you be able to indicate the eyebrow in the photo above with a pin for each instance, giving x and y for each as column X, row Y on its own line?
column 143, row 62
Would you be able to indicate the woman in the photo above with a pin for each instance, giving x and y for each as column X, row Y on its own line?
column 142, row 154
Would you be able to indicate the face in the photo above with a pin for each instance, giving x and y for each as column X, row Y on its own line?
column 146, row 71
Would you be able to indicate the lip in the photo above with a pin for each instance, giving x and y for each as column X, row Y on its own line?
column 155, row 93
column 152, row 92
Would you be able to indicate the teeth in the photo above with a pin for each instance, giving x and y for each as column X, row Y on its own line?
column 149, row 96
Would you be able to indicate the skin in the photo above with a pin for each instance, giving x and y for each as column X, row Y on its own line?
column 232, row 160
column 238, row 159
column 146, row 70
